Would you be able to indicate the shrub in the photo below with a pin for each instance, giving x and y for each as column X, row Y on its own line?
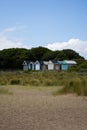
column 34, row 82
column 48, row 82
column 15, row 82
column 77, row 85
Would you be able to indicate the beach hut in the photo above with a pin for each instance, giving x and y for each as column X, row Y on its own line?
column 66, row 64
column 44, row 65
column 50, row 65
column 37, row 65
column 57, row 65
column 25, row 65
column 31, row 65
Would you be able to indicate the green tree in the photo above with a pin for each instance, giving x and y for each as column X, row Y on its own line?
column 14, row 57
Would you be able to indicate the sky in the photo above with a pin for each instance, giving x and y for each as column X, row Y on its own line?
column 55, row 24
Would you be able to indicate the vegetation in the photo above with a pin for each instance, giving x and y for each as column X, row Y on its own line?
column 65, row 81
column 77, row 86
column 4, row 90
column 12, row 59
column 81, row 66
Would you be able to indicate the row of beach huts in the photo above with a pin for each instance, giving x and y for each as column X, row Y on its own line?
column 48, row 65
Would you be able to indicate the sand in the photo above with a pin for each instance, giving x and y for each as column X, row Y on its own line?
column 38, row 109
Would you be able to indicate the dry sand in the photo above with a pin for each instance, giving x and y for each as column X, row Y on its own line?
column 38, row 109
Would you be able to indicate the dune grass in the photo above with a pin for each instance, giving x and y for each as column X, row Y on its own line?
column 69, row 82
column 4, row 90
column 76, row 85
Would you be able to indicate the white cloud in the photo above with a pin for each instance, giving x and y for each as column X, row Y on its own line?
column 7, row 42
column 75, row 44
column 7, row 30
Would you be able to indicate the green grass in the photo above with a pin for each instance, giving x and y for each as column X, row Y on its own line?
column 76, row 85
column 70, row 82
column 4, row 90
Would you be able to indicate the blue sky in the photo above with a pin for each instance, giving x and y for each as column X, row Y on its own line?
column 56, row 24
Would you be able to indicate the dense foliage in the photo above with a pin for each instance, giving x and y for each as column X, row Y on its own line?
column 13, row 58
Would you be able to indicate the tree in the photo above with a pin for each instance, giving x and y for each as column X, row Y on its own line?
column 14, row 57
column 71, row 54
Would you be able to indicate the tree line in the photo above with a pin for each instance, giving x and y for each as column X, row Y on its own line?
column 12, row 59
